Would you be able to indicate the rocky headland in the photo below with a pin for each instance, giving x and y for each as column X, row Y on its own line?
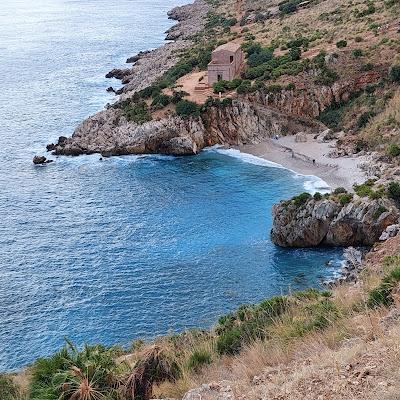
column 332, row 222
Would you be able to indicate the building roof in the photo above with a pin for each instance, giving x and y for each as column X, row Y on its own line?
column 231, row 46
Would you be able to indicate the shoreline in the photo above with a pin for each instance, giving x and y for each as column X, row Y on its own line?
column 298, row 157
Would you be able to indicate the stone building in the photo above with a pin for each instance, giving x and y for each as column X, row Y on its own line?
column 226, row 63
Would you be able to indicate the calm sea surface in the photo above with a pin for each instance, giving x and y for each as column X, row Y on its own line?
column 131, row 246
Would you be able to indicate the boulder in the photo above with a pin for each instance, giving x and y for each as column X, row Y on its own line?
column 40, row 160
column 328, row 222
column 389, row 232
column 119, row 73
column 326, row 136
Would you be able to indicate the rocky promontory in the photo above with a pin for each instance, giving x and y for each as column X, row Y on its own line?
column 308, row 222
column 110, row 132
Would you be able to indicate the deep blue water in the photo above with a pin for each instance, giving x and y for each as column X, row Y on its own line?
column 131, row 246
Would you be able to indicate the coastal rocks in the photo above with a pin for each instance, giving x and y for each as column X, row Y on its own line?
column 137, row 57
column 304, row 226
column 211, row 391
column 109, row 133
column 328, row 222
column 40, row 160
column 188, row 18
column 352, row 266
column 118, row 73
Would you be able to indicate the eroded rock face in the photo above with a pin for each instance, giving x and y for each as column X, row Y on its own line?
column 326, row 222
column 108, row 132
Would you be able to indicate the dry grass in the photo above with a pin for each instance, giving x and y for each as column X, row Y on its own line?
column 385, row 127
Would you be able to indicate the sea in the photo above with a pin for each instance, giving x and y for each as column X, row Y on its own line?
column 128, row 247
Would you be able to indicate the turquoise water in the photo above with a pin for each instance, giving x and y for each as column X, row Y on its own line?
column 108, row 251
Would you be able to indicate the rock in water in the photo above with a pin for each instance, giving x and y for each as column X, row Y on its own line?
column 328, row 222
column 118, row 73
column 40, row 160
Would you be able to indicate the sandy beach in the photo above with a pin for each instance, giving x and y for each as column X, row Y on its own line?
column 299, row 156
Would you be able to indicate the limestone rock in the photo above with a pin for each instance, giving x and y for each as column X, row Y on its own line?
column 212, row 391
column 389, row 232
column 327, row 222
column 109, row 133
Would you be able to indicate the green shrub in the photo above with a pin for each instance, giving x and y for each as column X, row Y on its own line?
column 358, row 53
column 341, row 44
column 137, row 112
column 186, row 108
column 295, row 53
column 364, row 118
column 298, row 42
column 198, row 359
column 245, row 87
column 223, row 86
column 260, row 57
column 332, row 117
column 290, row 86
column 288, row 7
column 317, row 196
column 367, row 67
column 345, row 198
column 380, row 210
column 177, row 96
column 393, row 150
column 326, row 77
column 367, row 11
column 161, row 101
column 230, row 342
column 364, row 189
column 339, row 190
column 395, row 73
column 301, row 199
column 247, row 324
column 394, row 190
column 8, row 389
column 382, row 295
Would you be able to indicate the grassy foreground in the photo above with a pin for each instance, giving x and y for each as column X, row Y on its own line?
column 242, row 344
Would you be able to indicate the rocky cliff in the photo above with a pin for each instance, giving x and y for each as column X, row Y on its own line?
column 328, row 222
column 110, row 133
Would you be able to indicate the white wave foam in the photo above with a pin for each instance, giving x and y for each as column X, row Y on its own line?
column 312, row 184
column 245, row 157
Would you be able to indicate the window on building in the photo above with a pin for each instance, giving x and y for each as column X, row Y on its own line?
column 231, row 58
column 219, row 77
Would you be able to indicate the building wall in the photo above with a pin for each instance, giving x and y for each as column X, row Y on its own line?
column 226, row 71
column 221, row 65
